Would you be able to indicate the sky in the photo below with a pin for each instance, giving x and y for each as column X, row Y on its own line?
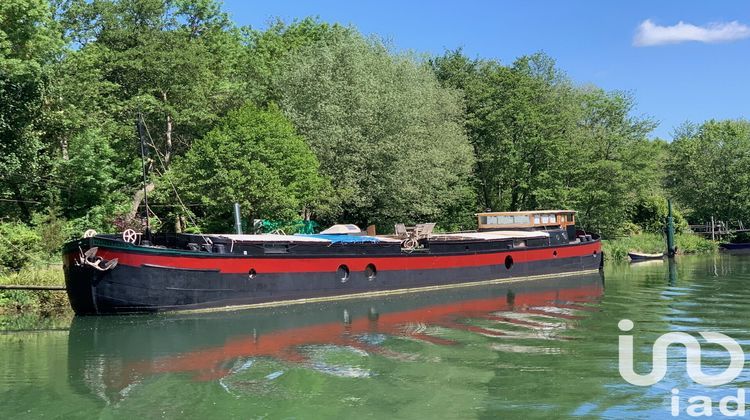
column 682, row 60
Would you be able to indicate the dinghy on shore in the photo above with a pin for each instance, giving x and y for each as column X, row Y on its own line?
column 642, row 256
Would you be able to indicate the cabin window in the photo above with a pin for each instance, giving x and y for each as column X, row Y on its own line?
column 482, row 220
column 504, row 220
column 536, row 219
column 570, row 217
column 521, row 220
column 545, row 219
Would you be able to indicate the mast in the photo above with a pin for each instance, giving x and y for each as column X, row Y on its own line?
column 143, row 164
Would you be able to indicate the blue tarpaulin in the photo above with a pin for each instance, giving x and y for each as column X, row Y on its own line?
column 345, row 238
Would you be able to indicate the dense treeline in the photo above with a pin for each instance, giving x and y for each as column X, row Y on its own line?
column 311, row 120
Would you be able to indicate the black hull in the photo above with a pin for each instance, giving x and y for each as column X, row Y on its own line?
column 735, row 247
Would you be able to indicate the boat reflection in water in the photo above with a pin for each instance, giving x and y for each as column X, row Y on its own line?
column 108, row 356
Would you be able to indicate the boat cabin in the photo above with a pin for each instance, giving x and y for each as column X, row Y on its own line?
column 528, row 220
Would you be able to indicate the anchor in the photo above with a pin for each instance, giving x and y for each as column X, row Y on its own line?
column 91, row 259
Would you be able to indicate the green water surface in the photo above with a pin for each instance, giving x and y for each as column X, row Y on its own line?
column 542, row 349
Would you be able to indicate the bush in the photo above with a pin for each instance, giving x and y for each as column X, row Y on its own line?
column 39, row 301
column 694, row 244
column 651, row 215
column 52, row 231
column 19, row 245
column 652, row 243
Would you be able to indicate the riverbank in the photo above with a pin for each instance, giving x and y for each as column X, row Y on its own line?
column 687, row 243
column 41, row 302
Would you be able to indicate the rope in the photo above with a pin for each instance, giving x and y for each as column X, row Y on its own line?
column 177, row 195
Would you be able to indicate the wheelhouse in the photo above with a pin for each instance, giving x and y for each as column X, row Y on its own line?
column 564, row 220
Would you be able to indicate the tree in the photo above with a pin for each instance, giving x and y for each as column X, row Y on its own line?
column 386, row 133
column 520, row 120
column 89, row 172
column 175, row 61
column 253, row 157
column 707, row 170
column 541, row 143
column 615, row 164
column 267, row 52
column 28, row 43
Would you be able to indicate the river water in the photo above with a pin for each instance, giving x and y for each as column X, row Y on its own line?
column 541, row 349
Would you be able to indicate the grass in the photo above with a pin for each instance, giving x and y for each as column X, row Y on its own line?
column 687, row 243
column 34, row 301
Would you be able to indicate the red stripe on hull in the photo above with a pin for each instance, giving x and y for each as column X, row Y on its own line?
column 283, row 264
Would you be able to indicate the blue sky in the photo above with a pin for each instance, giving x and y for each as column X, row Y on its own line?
column 592, row 41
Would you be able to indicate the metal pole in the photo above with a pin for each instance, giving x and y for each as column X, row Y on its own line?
column 713, row 229
column 237, row 221
column 143, row 163
column 670, row 231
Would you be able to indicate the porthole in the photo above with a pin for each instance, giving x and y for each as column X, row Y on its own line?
column 595, row 252
column 371, row 272
column 342, row 273
column 554, row 253
column 508, row 262
column 251, row 274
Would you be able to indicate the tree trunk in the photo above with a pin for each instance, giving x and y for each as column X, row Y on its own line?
column 25, row 212
column 137, row 198
column 64, row 148
column 167, row 136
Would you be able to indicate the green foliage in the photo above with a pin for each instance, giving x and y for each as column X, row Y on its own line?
column 99, row 217
column 386, row 133
column 687, row 243
column 28, row 42
column 176, row 62
column 707, row 170
column 614, row 164
column 519, row 121
column 25, row 301
column 617, row 249
column 19, row 245
column 539, row 142
column 650, row 214
column 268, row 51
column 255, row 158
column 89, row 173
column 52, row 232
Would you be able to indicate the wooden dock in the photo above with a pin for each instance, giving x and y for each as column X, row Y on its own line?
column 715, row 229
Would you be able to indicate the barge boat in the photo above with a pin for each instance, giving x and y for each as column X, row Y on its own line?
column 110, row 274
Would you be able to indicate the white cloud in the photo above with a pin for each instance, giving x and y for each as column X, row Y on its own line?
column 649, row 34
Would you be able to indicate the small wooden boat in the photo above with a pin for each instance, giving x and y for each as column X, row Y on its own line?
column 642, row 256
